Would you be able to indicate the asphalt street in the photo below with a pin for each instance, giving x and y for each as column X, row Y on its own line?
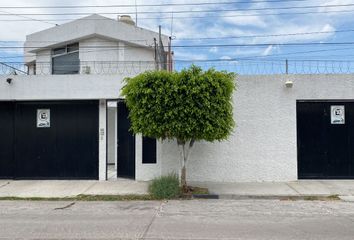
column 194, row 219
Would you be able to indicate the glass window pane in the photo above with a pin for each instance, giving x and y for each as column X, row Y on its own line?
column 66, row 64
column 57, row 51
column 73, row 47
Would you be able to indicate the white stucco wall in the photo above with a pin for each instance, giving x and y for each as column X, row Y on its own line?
column 263, row 145
column 104, row 50
column 111, row 134
column 102, row 140
column 145, row 172
column 112, row 57
column 60, row 87
column 103, row 57
column 91, row 26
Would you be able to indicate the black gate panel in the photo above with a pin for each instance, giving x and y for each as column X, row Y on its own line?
column 126, row 144
column 325, row 150
column 6, row 140
column 68, row 149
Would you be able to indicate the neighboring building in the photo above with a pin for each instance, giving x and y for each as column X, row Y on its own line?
column 67, row 120
column 60, row 120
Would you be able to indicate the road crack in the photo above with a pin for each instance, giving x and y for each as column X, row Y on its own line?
column 159, row 210
column 5, row 184
column 66, row 206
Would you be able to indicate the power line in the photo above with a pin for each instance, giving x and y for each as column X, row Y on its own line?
column 191, row 11
column 244, row 58
column 263, row 44
column 218, row 38
column 7, row 64
column 264, row 36
column 13, row 68
column 270, row 55
column 49, row 55
column 251, row 15
column 182, row 17
column 28, row 18
column 149, row 5
column 193, row 46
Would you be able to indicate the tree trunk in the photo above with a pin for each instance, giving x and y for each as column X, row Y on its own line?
column 185, row 152
column 184, row 178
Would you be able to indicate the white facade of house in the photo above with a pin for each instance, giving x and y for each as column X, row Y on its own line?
column 263, row 146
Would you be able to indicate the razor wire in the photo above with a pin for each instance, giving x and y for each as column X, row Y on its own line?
column 241, row 67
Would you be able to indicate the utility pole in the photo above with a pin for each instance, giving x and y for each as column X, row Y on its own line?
column 136, row 14
column 161, row 52
column 170, row 55
column 286, row 67
column 156, row 57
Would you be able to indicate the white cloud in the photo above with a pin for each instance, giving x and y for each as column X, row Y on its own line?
column 268, row 50
column 225, row 58
column 255, row 21
column 213, row 50
column 199, row 28
column 184, row 55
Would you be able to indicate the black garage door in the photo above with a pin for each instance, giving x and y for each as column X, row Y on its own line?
column 325, row 139
column 6, row 140
column 62, row 144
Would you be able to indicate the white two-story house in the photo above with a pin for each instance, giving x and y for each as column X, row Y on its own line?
column 58, row 115
column 62, row 116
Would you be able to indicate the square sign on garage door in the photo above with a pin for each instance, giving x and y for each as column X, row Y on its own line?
column 337, row 114
column 43, row 118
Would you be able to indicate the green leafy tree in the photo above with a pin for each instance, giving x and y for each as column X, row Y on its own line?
column 187, row 106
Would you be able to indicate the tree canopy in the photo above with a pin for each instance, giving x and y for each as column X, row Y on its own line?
column 189, row 105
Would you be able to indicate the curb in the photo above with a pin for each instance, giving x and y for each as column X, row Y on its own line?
column 268, row 197
column 205, row 196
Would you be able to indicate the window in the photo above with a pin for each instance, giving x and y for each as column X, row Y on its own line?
column 149, row 150
column 73, row 47
column 65, row 60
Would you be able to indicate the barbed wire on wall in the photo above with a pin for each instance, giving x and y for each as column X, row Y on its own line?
column 264, row 67
column 241, row 67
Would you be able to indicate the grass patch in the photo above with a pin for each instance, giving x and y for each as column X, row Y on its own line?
column 84, row 198
column 36, row 199
column 312, row 198
column 92, row 198
column 165, row 187
column 115, row 198
column 199, row 190
column 333, row 197
column 320, row 198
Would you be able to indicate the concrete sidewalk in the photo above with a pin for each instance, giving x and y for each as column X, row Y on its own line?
column 301, row 188
column 70, row 188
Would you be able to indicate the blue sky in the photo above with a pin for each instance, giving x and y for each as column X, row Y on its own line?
column 215, row 25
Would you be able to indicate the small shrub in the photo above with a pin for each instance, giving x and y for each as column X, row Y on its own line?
column 165, row 187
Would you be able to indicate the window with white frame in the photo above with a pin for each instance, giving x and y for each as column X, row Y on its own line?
column 65, row 60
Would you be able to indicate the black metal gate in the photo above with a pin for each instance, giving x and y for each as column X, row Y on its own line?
column 126, row 144
column 6, row 140
column 325, row 144
column 66, row 148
